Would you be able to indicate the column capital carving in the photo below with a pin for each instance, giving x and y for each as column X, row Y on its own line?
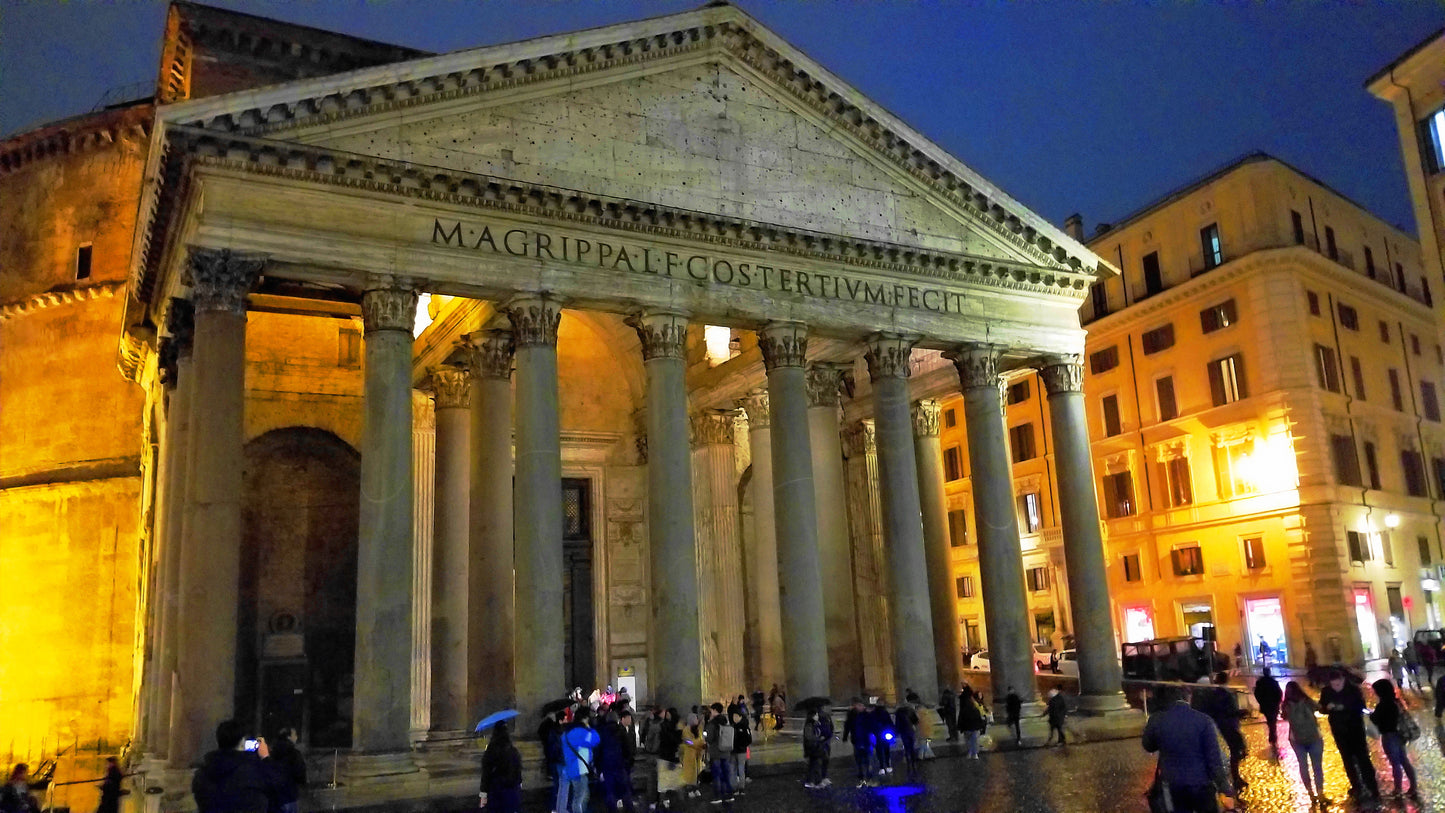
column 391, row 308
column 977, row 365
column 220, row 278
column 925, row 418
column 451, row 385
column 888, row 354
column 783, row 344
column 489, row 353
column 1062, row 373
column 859, row 439
column 712, row 427
column 824, row 383
column 663, row 334
column 755, row 406
column 534, row 318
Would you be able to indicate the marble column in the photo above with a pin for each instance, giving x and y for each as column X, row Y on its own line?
column 784, row 347
column 760, row 558
column 675, row 657
column 1000, row 556
column 540, row 631
column 451, row 388
column 492, row 611
column 845, row 660
column 928, row 452
column 914, row 664
column 870, row 569
column 210, row 556
column 1100, row 678
column 423, row 479
column 719, row 554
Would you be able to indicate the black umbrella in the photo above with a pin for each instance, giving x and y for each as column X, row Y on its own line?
column 813, row 703
column 554, row 706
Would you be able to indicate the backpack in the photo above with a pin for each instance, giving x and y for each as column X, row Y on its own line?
column 1408, row 729
column 726, row 735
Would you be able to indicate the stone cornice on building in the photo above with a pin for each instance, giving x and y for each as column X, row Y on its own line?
column 67, row 296
column 76, row 135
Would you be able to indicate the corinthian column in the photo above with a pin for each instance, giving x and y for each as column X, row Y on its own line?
column 719, row 553
column 675, row 659
column 947, row 648
column 382, row 719
column 845, row 660
column 805, row 632
column 913, row 658
column 491, row 612
column 1000, row 557
column 760, row 557
column 870, row 570
column 423, row 527
column 210, row 556
column 1100, row 679
column 540, row 629
column 451, row 386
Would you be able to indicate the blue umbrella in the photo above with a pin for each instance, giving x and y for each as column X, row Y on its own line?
column 496, row 717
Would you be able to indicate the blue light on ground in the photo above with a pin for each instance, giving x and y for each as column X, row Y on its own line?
column 893, row 795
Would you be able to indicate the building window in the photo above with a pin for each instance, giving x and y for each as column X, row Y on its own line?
column 1226, row 380
column 1358, row 373
column 1414, row 344
column 1372, row 465
column 1111, row 416
column 1346, row 460
column 1349, row 317
column 1325, row 371
column 1021, row 441
column 1396, row 396
column 950, row 418
column 1432, row 139
column 82, row 262
column 1188, row 561
column 952, row 463
column 1423, row 542
column 1425, row 292
column 1099, row 295
column 1254, row 553
column 1118, row 495
column 1438, row 464
column 1018, row 393
column 1231, row 468
column 1400, row 277
column 964, row 586
column 1132, row 572
column 1330, row 248
column 1160, row 338
column 1369, row 262
column 1031, row 512
column 1213, row 249
column 1358, row 545
column 1387, row 547
column 957, row 528
column 1174, row 476
column 1298, row 224
column 1104, row 360
column 1164, row 393
column 1153, row 279
column 1038, row 579
column 1218, row 316
column 1384, row 331
column 1429, row 404
column 1414, row 465
column 1314, row 300
column 348, row 347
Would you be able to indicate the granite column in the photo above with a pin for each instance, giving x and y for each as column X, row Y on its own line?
column 451, row 389
column 947, row 643
column 845, row 659
column 760, row 558
column 719, row 553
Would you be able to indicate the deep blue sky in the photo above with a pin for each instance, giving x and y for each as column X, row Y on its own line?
column 1097, row 108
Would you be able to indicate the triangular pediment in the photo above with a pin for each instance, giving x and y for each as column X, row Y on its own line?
column 705, row 111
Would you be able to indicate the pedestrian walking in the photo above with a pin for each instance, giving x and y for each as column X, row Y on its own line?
column 742, row 740
column 1268, row 695
column 112, row 787
column 883, row 734
column 971, row 720
column 231, row 778
column 1397, row 667
column 948, row 710
column 817, row 747
column 858, row 726
column 1057, row 710
column 1412, row 666
column 1191, row 770
column 926, row 730
column 1220, row 703
column 720, row 736
column 1305, row 739
column 669, row 760
column 1344, row 704
column 1014, row 707
column 616, row 755
column 15, row 796
column 759, row 705
column 1396, row 728
column 1428, row 659
column 694, row 753
column 578, row 743
column 501, row 773
column 1312, row 664
column 291, row 767
column 549, row 734
column 905, row 722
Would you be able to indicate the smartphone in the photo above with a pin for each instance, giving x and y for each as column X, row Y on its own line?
column 250, row 745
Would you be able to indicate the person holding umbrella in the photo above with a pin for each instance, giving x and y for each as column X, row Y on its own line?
column 501, row 773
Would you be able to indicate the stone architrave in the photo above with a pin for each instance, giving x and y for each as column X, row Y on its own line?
column 1000, row 555
column 540, row 628
column 845, row 659
column 928, row 453
column 1100, row 678
column 914, row 661
column 760, row 557
column 451, row 387
column 870, row 567
column 784, row 346
column 675, row 656
column 719, row 553
column 492, row 609
column 210, row 555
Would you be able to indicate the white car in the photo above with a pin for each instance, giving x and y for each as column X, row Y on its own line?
column 979, row 661
column 1069, row 662
column 1043, row 654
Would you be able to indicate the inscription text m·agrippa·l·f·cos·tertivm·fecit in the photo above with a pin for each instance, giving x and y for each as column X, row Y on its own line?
column 703, row 269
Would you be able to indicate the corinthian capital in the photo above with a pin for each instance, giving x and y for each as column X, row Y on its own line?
column 977, row 365
column 392, row 308
column 1062, row 374
column 925, row 418
column 663, row 334
column 452, row 386
column 489, row 353
column 824, row 383
column 887, row 355
column 535, row 318
column 858, row 439
column 784, row 344
column 712, row 427
column 755, row 405
column 220, row 278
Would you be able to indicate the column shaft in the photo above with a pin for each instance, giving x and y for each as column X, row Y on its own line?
column 492, row 609
column 760, row 559
column 450, row 554
column 845, row 659
column 870, row 568
column 948, row 646
column 719, row 554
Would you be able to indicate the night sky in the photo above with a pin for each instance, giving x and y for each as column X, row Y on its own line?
column 1097, row 108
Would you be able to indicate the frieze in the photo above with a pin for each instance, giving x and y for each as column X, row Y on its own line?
column 451, row 386
column 489, row 353
column 131, row 357
column 1063, row 374
column 220, row 279
column 977, row 366
column 389, row 309
column 755, row 405
column 925, row 418
column 713, row 427
column 534, row 320
column 859, row 439
column 888, row 356
column 663, row 334
column 824, row 383
column 783, row 344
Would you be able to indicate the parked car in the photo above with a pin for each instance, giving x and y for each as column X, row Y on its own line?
column 1181, row 659
column 979, row 660
column 1069, row 662
column 1043, row 657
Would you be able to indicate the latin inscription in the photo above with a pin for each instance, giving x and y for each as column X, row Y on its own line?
column 703, row 269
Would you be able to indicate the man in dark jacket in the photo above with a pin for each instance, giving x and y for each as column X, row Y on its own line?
column 858, row 725
column 948, row 710
column 1014, row 708
column 232, row 779
column 1268, row 695
column 1343, row 702
column 1057, row 710
column 905, row 721
column 617, row 752
column 1220, row 703
column 1190, row 764
column 883, row 735
column 290, row 768
column 549, row 734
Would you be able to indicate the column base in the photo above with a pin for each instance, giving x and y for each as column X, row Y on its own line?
column 384, row 767
column 1103, row 704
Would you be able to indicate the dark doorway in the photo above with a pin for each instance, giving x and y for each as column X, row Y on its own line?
column 297, row 633
column 580, row 659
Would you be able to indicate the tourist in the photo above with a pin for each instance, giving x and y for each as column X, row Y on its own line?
column 549, row 734
column 1427, row 659
column 1396, row 664
column 948, row 710
column 616, row 754
column 905, row 722
column 883, row 734
column 1390, row 718
column 742, row 739
column 578, row 743
column 1344, row 704
column 720, row 737
column 1057, row 710
column 15, row 796
column 291, row 768
column 1268, row 695
column 817, row 747
column 1312, row 664
column 1305, row 739
column 694, row 752
column 1222, row 706
column 858, row 725
column 669, row 760
column 1014, row 708
column 780, row 710
column 971, row 720
column 925, row 727
column 1412, row 666
column 759, row 702
column 111, row 788
column 1191, row 769
column 501, row 773
column 231, row 778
